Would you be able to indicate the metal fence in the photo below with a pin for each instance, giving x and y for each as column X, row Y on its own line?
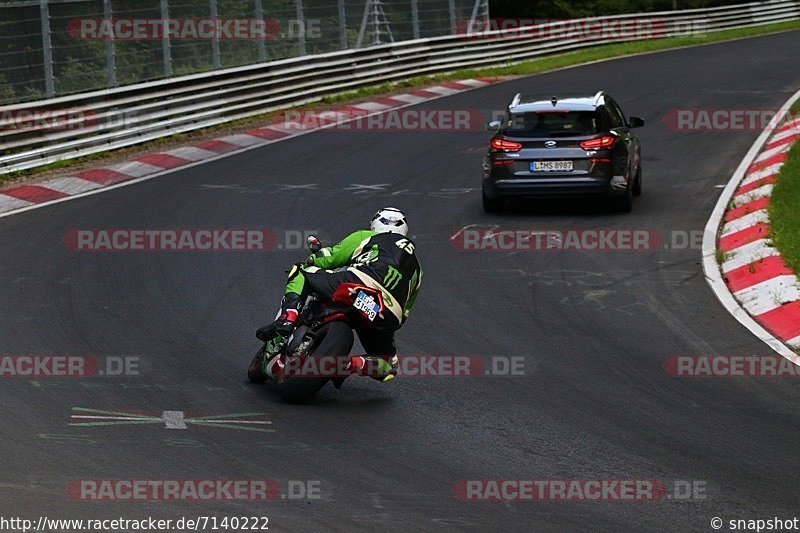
column 57, row 47
column 37, row 133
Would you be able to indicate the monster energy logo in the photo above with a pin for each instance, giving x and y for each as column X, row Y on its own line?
column 413, row 284
column 392, row 278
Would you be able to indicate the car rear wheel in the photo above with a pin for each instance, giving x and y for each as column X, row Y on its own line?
column 637, row 185
column 492, row 205
column 625, row 202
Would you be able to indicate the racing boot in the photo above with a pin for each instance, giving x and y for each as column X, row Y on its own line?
column 379, row 368
column 287, row 318
column 266, row 333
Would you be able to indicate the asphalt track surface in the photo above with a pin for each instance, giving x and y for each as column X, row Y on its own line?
column 594, row 328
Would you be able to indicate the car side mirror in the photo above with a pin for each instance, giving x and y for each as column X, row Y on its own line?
column 494, row 125
column 636, row 122
column 313, row 243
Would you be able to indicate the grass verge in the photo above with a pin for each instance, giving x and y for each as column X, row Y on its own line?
column 783, row 207
column 526, row 68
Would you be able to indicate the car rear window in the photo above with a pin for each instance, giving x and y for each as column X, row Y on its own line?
column 552, row 124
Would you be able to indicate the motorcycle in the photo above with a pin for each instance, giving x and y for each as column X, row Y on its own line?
column 319, row 348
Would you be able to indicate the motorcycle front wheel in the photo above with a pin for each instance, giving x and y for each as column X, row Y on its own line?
column 254, row 372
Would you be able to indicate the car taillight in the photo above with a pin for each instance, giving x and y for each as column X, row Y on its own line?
column 600, row 143
column 503, row 145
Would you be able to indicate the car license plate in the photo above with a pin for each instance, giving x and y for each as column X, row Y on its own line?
column 551, row 166
column 366, row 303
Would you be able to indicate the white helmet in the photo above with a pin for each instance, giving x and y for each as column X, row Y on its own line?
column 389, row 219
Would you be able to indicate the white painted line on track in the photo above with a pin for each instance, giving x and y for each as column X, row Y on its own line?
column 746, row 221
column 70, row 185
column 769, row 294
column 749, row 253
column 191, row 153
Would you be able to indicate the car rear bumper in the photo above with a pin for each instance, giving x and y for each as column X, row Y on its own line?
column 552, row 186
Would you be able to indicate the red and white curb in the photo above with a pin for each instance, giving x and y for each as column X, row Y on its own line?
column 91, row 181
column 754, row 282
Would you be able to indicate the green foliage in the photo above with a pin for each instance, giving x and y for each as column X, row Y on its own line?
column 784, row 222
column 6, row 91
column 592, row 8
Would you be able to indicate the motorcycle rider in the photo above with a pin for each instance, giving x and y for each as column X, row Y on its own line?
column 382, row 257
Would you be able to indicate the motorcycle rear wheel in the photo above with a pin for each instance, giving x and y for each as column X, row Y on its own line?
column 333, row 339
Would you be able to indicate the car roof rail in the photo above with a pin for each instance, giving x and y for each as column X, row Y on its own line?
column 598, row 97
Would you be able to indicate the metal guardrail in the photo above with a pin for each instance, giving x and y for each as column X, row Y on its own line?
column 109, row 119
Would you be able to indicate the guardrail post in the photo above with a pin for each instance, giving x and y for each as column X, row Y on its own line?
column 451, row 5
column 376, row 30
column 166, row 43
column 301, row 27
column 47, row 49
column 215, row 62
column 472, row 18
column 262, row 48
column 111, row 59
column 415, row 18
column 343, row 26
column 363, row 28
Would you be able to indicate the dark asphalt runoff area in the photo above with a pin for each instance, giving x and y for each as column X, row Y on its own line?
column 594, row 328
